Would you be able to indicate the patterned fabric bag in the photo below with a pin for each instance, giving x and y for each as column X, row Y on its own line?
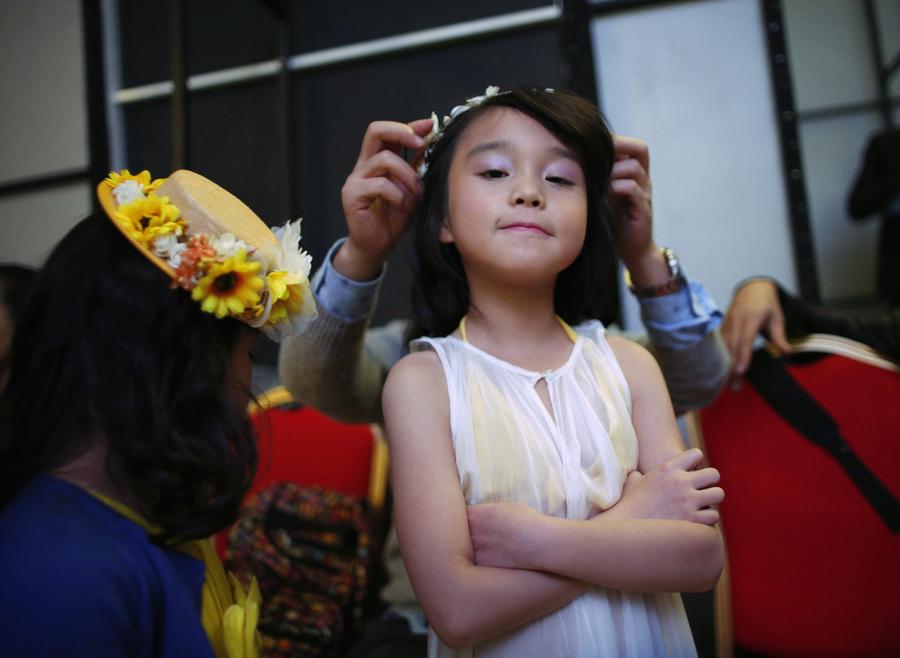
column 310, row 550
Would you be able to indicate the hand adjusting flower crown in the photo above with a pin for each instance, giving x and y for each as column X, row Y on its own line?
column 438, row 127
column 214, row 246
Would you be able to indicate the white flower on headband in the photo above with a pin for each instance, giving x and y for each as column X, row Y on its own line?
column 475, row 101
column 437, row 128
column 128, row 191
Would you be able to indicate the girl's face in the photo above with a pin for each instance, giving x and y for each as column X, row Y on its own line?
column 517, row 199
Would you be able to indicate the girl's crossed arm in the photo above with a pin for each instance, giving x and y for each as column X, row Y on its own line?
column 660, row 536
column 464, row 603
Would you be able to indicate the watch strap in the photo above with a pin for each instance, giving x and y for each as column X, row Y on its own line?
column 674, row 283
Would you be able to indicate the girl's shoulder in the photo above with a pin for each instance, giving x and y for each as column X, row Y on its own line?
column 431, row 344
column 420, row 362
column 591, row 329
column 637, row 364
column 416, row 374
column 622, row 346
column 415, row 397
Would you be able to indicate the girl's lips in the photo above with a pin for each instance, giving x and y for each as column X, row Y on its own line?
column 525, row 226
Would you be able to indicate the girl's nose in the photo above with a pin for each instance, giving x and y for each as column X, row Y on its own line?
column 528, row 194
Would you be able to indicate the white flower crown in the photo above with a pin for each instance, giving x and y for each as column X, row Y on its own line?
column 438, row 127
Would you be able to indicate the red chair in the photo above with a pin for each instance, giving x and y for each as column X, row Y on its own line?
column 302, row 445
column 812, row 569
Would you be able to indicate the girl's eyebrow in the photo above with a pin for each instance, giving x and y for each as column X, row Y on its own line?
column 498, row 145
column 505, row 145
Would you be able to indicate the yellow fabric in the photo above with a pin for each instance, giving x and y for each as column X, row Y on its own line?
column 565, row 325
column 228, row 613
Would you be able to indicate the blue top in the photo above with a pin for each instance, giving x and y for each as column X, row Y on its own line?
column 80, row 579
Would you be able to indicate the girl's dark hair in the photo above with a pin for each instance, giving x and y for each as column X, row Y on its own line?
column 440, row 290
column 15, row 281
column 106, row 351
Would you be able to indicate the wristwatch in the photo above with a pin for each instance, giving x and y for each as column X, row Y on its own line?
column 674, row 283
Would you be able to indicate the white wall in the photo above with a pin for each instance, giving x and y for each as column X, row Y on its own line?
column 43, row 125
column 692, row 79
column 831, row 61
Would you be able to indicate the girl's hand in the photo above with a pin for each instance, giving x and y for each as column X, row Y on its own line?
column 379, row 196
column 672, row 490
column 501, row 533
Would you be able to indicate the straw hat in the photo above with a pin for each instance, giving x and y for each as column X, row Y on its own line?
column 211, row 244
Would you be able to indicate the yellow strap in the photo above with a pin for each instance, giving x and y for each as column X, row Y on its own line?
column 565, row 326
column 569, row 331
column 232, row 633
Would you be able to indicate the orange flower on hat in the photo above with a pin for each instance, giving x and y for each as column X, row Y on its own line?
column 231, row 287
column 192, row 259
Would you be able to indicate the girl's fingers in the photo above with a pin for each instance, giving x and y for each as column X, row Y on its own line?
column 707, row 516
column 687, row 460
column 704, row 477
column 711, row 496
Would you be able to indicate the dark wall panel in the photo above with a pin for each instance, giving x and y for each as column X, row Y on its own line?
column 334, row 107
column 148, row 136
column 319, row 25
column 234, row 140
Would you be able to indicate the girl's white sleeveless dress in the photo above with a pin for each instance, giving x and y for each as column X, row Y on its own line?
column 571, row 464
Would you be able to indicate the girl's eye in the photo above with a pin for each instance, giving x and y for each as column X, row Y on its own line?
column 493, row 173
column 559, row 180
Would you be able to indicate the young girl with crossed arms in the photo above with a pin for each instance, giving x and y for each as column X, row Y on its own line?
column 544, row 502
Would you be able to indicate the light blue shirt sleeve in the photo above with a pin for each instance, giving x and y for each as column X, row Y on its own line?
column 343, row 297
column 673, row 321
column 680, row 319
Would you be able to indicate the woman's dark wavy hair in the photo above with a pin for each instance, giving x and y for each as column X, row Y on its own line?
column 440, row 291
column 106, row 350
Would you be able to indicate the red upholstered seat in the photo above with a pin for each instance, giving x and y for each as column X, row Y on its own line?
column 304, row 446
column 814, row 570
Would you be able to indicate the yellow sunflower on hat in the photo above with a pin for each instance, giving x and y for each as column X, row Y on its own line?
column 230, row 287
column 146, row 218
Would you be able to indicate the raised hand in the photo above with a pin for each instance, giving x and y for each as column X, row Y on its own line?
column 631, row 200
column 379, row 196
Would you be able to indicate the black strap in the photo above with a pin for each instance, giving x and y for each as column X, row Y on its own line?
column 776, row 386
